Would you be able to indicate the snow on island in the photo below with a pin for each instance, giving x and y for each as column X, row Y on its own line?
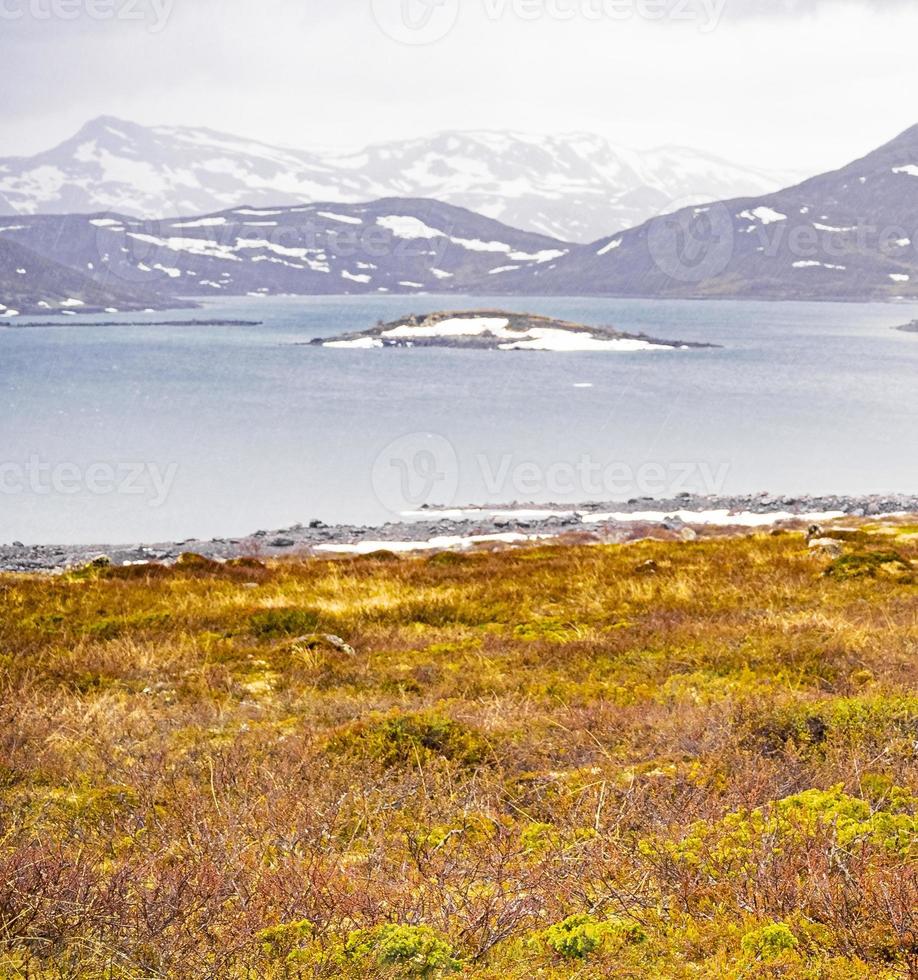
column 498, row 330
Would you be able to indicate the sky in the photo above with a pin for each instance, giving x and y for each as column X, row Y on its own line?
column 801, row 85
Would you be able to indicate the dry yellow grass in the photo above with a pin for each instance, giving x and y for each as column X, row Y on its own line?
column 553, row 762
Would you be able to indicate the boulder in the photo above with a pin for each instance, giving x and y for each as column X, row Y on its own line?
column 827, row 546
column 327, row 641
column 836, row 534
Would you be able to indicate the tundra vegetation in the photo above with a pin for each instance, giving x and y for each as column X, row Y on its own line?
column 663, row 759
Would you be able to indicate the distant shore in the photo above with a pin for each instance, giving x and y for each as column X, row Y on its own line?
column 458, row 528
column 132, row 323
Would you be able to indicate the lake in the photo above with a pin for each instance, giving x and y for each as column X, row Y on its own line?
column 149, row 433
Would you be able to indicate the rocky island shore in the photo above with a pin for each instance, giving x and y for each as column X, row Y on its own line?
column 498, row 330
column 462, row 528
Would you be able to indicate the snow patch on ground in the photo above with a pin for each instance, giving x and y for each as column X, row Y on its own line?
column 479, row 513
column 811, row 264
column 445, row 543
column 546, row 255
column 767, row 216
column 404, row 226
column 535, row 338
column 549, row 339
column 202, row 223
column 196, row 246
column 719, row 518
column 360, row 343
column 345, row 218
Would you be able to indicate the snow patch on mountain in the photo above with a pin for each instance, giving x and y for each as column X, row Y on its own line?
column 574, row 187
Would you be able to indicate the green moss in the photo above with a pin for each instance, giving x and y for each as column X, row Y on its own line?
column 813, row 726
column 769, row 942
column 408, row 738
column 111, row 627
column 285, row 622
column 281, row 942
column 579, row 936
column 870, row 564
column 448, row 559
column 83, row 804
column 550, row 630
column 730, row 846
column 409, row 951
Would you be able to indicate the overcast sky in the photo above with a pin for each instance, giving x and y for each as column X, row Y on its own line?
column 798, row 84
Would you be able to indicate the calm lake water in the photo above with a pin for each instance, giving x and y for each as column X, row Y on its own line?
column 146, row 433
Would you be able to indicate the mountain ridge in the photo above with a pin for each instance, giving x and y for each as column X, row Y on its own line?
column 575, row 187
column 393, row 245
column 848, row 234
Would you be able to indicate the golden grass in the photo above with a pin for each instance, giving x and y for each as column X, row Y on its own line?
column 554, row 762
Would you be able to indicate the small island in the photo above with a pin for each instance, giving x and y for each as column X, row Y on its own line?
column 498, row 330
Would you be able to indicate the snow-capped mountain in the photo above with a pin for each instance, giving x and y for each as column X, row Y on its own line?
column 851, row 234
column 574, row 187
column 387, row 246
column 154, row 172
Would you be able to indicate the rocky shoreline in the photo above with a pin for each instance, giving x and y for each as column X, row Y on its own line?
column 684, row 516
